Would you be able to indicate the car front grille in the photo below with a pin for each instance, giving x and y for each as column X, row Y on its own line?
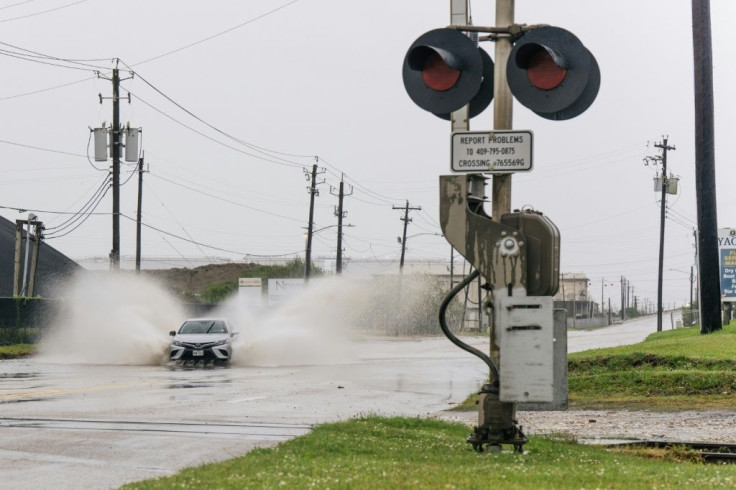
column 197, row 346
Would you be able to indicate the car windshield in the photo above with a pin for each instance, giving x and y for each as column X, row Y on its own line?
column 203, row 326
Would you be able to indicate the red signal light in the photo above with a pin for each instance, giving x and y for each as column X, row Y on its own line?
column 543, row 72
column 437, row 74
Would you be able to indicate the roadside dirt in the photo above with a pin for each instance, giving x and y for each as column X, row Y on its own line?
column 195, row 280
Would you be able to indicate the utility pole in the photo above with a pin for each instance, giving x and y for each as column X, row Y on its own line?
column 340, row 215
column 623, row 300
column 692, row 280
column 138, row 216
column 406, row 221
column 705, row 173
column 313, row 191
column 663, row 208
column 115, row 253
column 115, row 149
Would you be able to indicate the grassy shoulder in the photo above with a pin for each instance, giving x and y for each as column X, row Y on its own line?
column 15, row 351
column 374, row 452
column 671, row 370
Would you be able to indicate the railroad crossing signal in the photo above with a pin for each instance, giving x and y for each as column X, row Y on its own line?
column 552, row 73
column 445, row 70
column 549, row 71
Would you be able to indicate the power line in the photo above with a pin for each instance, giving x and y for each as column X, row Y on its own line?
column 27, row 58
column 260, row 149
column 25, row 94
column 85, row 218
column 46, row 211
column 282, row 162
column 37, row 54
column 43, row 11
column 16, row 4
column 237, row 252
column 249, row 21
column 100, row 189
column 61, row 152
column 225, row 200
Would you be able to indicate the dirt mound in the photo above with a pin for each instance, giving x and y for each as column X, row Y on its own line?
column 195, row 280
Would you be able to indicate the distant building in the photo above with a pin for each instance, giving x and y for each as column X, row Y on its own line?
column 574, row 296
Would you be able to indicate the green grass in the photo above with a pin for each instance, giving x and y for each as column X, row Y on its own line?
column 670, row 370
column 376, row 453
column 16, row 350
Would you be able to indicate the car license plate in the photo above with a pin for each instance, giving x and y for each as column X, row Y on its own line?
column 197, row 352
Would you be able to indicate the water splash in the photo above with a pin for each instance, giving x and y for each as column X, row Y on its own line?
column 316, row 326
column 122, row 318
column 112, row 318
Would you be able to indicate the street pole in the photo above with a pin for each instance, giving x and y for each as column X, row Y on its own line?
column 308, row 255
column 24, row 284
column 623, row 300
column 692, row 280
column 663, row 208
column 406, row 221
column 340, row 215
column 705, row 174
column 115, row 149
column 138, row 216
column 338, row 257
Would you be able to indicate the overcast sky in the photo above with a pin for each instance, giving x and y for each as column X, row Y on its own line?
column 322, row 78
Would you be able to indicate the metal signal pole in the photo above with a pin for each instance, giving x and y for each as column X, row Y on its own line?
column 503, row 104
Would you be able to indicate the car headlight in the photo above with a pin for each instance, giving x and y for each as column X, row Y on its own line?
column 222, row 342
column 177, row 343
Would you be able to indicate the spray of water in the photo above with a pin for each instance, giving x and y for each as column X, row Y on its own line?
column 316, row 326
column 112, row 319
column 125, row 319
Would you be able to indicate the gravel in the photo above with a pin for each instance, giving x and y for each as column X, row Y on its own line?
column 598, row 425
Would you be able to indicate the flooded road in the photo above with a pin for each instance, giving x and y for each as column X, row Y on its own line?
column 627, row 333
column 97, row 426
column 68, row 425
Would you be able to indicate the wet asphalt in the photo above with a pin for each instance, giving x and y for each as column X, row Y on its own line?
column 68, row 425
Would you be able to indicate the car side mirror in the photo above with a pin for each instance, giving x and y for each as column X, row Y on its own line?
column 234, row 334
column 172, row 333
